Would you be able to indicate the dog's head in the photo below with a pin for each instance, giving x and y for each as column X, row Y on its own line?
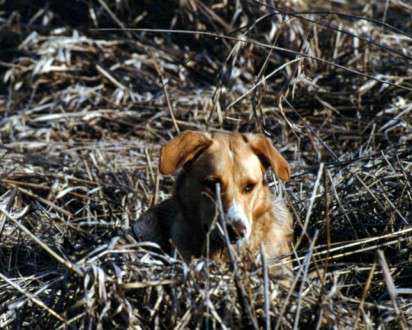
column 237, row 162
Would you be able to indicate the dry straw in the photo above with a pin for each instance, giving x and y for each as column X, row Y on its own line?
column 90, row 90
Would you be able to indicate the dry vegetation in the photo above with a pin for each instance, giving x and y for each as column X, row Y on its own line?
column 83, row 113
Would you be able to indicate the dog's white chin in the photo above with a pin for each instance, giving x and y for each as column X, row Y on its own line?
column 242, row 242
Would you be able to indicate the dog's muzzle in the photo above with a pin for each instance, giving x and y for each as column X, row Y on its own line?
column 237, row 231
column 238, row 225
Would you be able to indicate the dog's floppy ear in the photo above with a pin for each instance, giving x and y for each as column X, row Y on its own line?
column 181, row 150
column 269, row 155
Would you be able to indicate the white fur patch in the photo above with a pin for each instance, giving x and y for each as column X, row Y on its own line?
column 237, row 214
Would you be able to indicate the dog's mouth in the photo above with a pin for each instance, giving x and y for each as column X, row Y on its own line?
column 235, row 234
column 236, row 231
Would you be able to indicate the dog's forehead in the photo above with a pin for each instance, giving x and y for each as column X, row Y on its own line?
column 230, row 152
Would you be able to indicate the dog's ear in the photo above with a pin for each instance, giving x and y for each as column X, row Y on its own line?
column 181, row 150
column 269, row 155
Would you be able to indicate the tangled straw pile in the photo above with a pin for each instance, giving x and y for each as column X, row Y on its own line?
column 84, row 110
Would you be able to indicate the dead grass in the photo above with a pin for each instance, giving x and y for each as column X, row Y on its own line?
column 84, row 111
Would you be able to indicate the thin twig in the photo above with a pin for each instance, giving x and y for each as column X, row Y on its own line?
column 32, row 298
column 266, row 305
column 63, row 261
column 245, row 303
column 306, row 264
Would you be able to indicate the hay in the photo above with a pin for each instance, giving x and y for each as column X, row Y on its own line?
column 85, row 109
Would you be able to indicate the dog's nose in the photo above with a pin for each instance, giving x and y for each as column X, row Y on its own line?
column 238, row 230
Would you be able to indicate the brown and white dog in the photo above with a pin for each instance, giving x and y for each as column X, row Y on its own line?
column 238, row 162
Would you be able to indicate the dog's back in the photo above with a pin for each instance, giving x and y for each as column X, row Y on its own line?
column 154, row 224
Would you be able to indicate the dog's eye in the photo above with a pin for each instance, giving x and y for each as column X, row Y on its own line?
column 248, row 187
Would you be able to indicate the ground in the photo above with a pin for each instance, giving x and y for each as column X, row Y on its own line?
column 89, row 91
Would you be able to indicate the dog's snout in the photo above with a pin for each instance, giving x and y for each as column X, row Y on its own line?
column 238, row 224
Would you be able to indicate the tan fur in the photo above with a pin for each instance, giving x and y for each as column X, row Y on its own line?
column 237, row 161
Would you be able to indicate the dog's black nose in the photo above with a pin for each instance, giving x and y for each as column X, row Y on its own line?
column 236, row 231
column 240, row 228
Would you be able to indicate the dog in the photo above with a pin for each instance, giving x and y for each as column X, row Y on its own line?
column 238, row 163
